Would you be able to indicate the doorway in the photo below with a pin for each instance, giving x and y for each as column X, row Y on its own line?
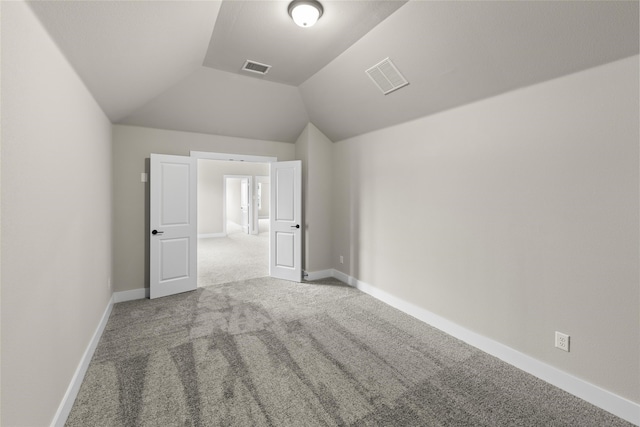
column 176, row 215
column 233, row 221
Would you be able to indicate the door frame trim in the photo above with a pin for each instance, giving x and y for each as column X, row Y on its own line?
column 232, row 157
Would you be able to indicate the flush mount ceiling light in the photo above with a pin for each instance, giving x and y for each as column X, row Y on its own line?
column 305, row 13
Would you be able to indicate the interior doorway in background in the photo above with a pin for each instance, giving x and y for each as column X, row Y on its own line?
column 233, row 230
column 237, row 203
column 263, row 192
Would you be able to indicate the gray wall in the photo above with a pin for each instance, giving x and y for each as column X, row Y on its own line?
column 56, row 220
column 315, row 151
column 514, row 217
column 302, row 154
column 131, row 149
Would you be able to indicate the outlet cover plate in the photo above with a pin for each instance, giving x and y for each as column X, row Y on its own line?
column 562, row 341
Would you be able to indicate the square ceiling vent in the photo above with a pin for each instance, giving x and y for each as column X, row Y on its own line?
column 386, row 76
column 256, row 67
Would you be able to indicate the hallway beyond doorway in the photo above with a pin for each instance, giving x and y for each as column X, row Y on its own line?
column 236, row 257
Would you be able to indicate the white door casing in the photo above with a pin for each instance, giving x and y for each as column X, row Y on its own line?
column 285, row 232
column 173, row 225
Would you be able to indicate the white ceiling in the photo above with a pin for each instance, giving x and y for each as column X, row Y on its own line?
column 262, row 31
column 163, row 64
column 454, row 53
column 127, row 52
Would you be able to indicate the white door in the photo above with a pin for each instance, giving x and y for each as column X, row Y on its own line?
column 285, row 232
column 244, row 205
column 173, row 232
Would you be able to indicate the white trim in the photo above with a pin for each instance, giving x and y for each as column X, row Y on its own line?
column 318, row 275
column 232, row 157
column 60, row 418
column 345, row 278
column 604, row 399
column 209, row 235
column 134, row 294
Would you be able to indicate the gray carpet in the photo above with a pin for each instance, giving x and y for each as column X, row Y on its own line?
column 266, row 352
column 238, row 256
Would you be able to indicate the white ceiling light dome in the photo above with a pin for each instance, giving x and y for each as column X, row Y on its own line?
column 305, row 13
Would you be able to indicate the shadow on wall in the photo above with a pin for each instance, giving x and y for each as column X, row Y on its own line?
column 147, row 211
column 355, row 223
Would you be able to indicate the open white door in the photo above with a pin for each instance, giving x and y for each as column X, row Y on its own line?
column 245, row 206
column 285, row 235
column 173, row 237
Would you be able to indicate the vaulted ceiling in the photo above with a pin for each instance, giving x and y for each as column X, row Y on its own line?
column 177, row 64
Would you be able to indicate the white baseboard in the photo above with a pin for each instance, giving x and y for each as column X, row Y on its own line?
column 345, row 278
column 617, row 405
column 209, row 235
column 610, row 402
column 140, row 293
column 60, row 418
column 317, row 275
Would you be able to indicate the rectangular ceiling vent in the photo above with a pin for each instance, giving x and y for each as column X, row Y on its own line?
column 256, row 67
column 386, row 76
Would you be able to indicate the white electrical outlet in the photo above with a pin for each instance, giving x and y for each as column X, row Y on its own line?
column 562, row 341
column 341, row 259
column 109, row 283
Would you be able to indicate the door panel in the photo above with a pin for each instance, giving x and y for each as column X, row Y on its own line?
column 284, row 247
column 174, row 259
column 173, row 246
column 285, row 256
column 284, row 180
column 174, row 194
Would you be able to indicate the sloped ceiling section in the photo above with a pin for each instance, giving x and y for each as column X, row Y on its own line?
column 454, row 53
column 221, row 103
column 162, row 64
column 127, row 52
column 143, row 60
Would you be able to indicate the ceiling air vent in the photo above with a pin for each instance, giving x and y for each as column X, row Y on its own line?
column 386, row 76
column 256, row 67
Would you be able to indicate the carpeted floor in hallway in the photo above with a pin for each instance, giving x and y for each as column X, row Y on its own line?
column 238, row 256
